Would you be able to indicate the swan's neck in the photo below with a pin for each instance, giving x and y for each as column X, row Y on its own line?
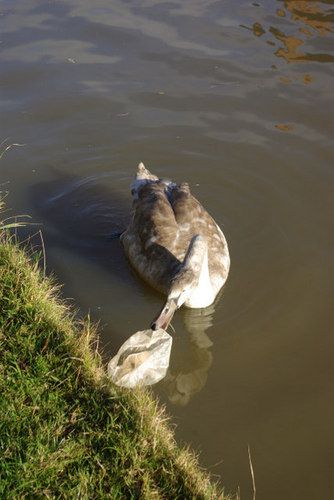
column 203, row 294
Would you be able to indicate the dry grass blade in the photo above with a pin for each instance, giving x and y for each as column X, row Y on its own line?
column 252, row 472
column 5, row 225
column 44, row 253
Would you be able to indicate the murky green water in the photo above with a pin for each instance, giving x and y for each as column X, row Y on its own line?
column 237, row 99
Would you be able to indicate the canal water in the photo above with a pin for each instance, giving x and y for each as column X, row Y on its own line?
column 235, row 97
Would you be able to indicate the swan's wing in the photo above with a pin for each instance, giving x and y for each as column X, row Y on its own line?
column 150, row 238
column 154, row 218
column 192, row 219
column 190, row 215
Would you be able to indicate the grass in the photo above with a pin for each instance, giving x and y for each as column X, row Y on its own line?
column 65, row 430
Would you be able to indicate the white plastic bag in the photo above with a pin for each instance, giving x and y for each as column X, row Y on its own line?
column 142, row 360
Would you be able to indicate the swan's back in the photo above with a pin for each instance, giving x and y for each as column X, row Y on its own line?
column 166, row 216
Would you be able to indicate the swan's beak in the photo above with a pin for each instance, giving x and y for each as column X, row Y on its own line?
column 165, row 316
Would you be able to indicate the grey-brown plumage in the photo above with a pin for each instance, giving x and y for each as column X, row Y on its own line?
column 173, row 243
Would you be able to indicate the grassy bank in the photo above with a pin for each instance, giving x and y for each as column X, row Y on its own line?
column 65, row 430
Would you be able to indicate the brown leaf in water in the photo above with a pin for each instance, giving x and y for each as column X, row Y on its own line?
column 284, row 127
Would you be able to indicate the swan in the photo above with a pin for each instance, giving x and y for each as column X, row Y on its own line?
column 174, row 245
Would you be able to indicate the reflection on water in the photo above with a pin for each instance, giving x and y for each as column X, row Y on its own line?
column 258, row 29
column 182, row 386
column 312, row 18
column 315, row 14
column 291, row 44
column 187, row 374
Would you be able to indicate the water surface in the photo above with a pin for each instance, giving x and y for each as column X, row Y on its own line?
column 237, row 99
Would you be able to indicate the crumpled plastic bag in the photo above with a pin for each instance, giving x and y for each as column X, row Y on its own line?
column 142, row 360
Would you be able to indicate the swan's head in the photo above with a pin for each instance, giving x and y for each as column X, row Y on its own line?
column 183, row 283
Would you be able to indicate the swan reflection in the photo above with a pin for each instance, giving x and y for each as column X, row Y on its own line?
column 191, row 357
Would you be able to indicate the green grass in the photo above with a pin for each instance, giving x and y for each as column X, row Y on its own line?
column 65, row 430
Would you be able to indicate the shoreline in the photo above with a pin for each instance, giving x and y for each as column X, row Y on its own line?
column 65, row 428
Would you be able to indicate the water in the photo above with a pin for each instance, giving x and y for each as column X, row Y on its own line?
column 236, row 98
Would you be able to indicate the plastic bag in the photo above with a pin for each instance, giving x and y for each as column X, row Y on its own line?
column 142, row 360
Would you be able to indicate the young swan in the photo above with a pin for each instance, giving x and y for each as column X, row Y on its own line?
column 191, row 284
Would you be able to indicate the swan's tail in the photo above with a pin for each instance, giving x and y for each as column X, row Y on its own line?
column 142, row 177
column 143, row 173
